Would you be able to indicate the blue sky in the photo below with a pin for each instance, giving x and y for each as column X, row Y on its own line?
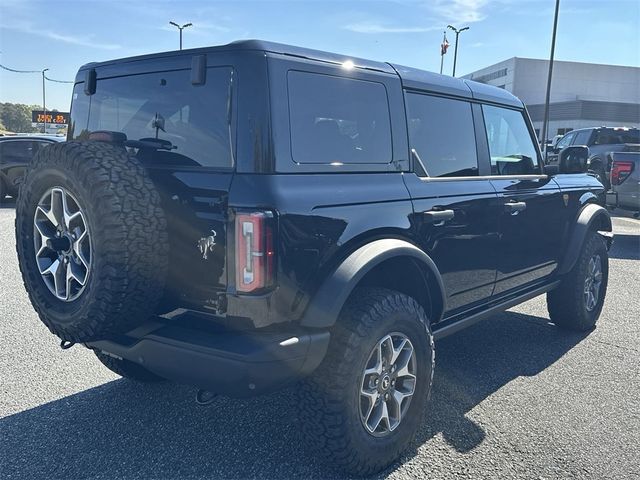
column 64, row 34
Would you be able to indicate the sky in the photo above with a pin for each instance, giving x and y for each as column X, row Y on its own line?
column 62, row 35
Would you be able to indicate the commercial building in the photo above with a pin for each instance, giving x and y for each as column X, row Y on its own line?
column 582, row 94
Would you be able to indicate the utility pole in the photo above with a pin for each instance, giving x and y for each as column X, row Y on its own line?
column 455, row 53
column 181, row 28
column 545, row 120
column 44, row 105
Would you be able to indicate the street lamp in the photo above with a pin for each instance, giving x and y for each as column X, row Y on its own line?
column 44, row 105
column 181, row 28
column 455, row 53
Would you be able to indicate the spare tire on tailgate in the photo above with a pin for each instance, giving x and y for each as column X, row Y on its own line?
column 92, row 240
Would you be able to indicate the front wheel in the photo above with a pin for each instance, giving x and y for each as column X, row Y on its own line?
column 576, row 304
column 364, row 404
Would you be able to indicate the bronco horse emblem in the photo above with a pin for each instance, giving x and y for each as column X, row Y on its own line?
column 206, row 244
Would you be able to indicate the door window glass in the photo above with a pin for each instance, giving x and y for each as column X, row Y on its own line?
column 441, row 136
column 338, row 120
column 18, row 151
column 565, row 141
column 582, row 137
column 510, row 145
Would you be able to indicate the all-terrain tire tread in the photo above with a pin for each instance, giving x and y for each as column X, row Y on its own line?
column 565, row 303
column 129, row 223
column 320, row 395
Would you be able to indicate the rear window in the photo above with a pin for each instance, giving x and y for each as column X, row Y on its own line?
column 167, row 106
column 337, row 120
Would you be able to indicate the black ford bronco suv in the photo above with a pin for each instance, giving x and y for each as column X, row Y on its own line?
column 245, row 216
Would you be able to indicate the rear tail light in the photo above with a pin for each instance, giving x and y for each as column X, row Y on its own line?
column 255, row 254
column 620, row 171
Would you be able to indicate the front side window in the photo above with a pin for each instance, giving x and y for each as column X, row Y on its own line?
column 441, row 135
column 194, row 120
column 511, row 148
column 337, row 120
column 565, row 141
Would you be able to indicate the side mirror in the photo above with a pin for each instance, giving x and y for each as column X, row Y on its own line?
column 574, row 159
column 551, row 169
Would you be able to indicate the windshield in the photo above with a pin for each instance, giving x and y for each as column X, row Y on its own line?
column 192, row 120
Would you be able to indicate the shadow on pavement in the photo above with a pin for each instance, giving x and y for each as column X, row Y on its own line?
column 124, row 429
column 625, row 247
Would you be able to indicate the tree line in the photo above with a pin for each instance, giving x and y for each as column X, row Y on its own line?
column 16, row 117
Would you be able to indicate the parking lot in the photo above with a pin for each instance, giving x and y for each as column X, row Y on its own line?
column 513, row 397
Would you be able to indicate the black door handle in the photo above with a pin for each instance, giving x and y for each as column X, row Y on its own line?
column 438, row 217
column 514, row 207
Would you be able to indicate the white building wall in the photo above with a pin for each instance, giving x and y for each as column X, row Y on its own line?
column 575, row 81
column 527, row 79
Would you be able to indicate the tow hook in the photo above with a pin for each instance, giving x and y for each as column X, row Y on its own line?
column 66, row 345
column 204, row 397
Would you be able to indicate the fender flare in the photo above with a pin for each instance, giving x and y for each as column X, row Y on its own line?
column 326, row 304
column 590, row 215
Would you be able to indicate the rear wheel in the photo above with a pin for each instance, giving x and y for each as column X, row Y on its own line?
column 364, row 404
column 576, row 304
column 3, row 192
column 92, row 240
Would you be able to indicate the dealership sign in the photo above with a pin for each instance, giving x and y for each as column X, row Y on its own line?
column 38, row 117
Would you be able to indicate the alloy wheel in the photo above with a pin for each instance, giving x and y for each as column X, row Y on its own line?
column 593, row 283
column 62, row 244
column 388, row 384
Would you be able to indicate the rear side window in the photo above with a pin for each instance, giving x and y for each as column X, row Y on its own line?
column 582, row 137
column 510, row 144
column 441, row 135
column 194, row 118
column 611, row 136
column 337, row 120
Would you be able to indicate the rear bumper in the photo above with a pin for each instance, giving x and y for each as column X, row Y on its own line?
column 233, row 363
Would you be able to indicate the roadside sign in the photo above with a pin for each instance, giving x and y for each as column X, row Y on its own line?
column 52, row 118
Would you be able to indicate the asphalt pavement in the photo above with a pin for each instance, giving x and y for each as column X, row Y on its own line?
column 513, row 397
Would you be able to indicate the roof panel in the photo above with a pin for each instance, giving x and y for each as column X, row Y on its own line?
column 258, row 45
column 489, row 93
column 433, row 82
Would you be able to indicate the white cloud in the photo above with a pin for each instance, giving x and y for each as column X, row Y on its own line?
column 85, row 41
column 460, row 11
column 372, row 27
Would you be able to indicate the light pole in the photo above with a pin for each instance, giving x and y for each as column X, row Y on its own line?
column 455, row 53
column 181, row 28
column 545, row 120
column 44, row 105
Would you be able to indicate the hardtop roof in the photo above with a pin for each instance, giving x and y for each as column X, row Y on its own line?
column 412, row 78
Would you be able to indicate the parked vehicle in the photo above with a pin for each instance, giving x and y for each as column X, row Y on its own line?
column 16, row 152
column 625, row 181
column 242, row 217
column 601, row 142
